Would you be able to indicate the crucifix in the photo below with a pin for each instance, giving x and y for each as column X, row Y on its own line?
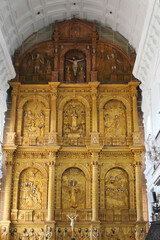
column 72, row 221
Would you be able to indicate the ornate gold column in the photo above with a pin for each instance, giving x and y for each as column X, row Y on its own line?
column 53, row 118
column 51, row 186
column 95, row 186
column 11, row 133
column 8, row 184
column 95, row 150
column 139, row 205
column 94, row 134
column 136, row 133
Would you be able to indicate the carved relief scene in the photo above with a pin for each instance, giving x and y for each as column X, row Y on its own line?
column 74, row 119
column 33, row 119
column 112, row 65
column 115, row 122
column 75, row 67
column 116, row 189
column 37, row 65
column 30, row 189
column 73, row 189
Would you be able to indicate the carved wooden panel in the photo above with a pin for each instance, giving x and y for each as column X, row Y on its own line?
column 30, row 189
column 75, row 30
column 74, row 115
column 33, row 119
column 37, row 64
column 117, row 189
column 73, row 189
column 112, row 65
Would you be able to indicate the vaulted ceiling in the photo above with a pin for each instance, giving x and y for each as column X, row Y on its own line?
column 20, row 18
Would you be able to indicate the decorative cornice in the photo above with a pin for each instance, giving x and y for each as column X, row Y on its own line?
column 148, row 44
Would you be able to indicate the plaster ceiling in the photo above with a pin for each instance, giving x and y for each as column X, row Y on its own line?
column 20, row 18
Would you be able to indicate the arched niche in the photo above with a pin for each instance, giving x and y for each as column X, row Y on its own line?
column 74, row 119
column 117, row 189
column 75, row 66
column 83, row 53
column 33, row 124
column 73, row 189
column 115, row 120
column 76, row 100
column 30, row 193
column 33, row 117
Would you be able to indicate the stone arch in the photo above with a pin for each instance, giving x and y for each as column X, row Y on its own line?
column 60, row 112
column 128, row 113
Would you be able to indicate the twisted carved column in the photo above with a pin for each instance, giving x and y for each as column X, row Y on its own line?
column 139, row 205
column 51, row 186
column 95, row 186
column 8, row 184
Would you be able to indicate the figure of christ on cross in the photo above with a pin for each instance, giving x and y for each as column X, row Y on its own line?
column 72, row 221
column 75, row 64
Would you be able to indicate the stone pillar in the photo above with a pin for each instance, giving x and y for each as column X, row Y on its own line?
column 51, row 186
column 136, row 133
column 8, row 184
column 94, row 134
column 139, row 205
column 95, row 186
column 53, row 118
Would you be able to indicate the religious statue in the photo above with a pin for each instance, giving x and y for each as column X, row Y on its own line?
column 37, row 62
column 74, row 117
column 68, row 75
column 15, row 234
column 25, row 235
column 72, row 221
column 4, row 235
column 41, row 234
column 49, row 233
column 32, row 235
column 81, row 75
column 75, row 64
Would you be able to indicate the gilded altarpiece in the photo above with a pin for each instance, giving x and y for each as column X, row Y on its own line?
column 73, row 148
